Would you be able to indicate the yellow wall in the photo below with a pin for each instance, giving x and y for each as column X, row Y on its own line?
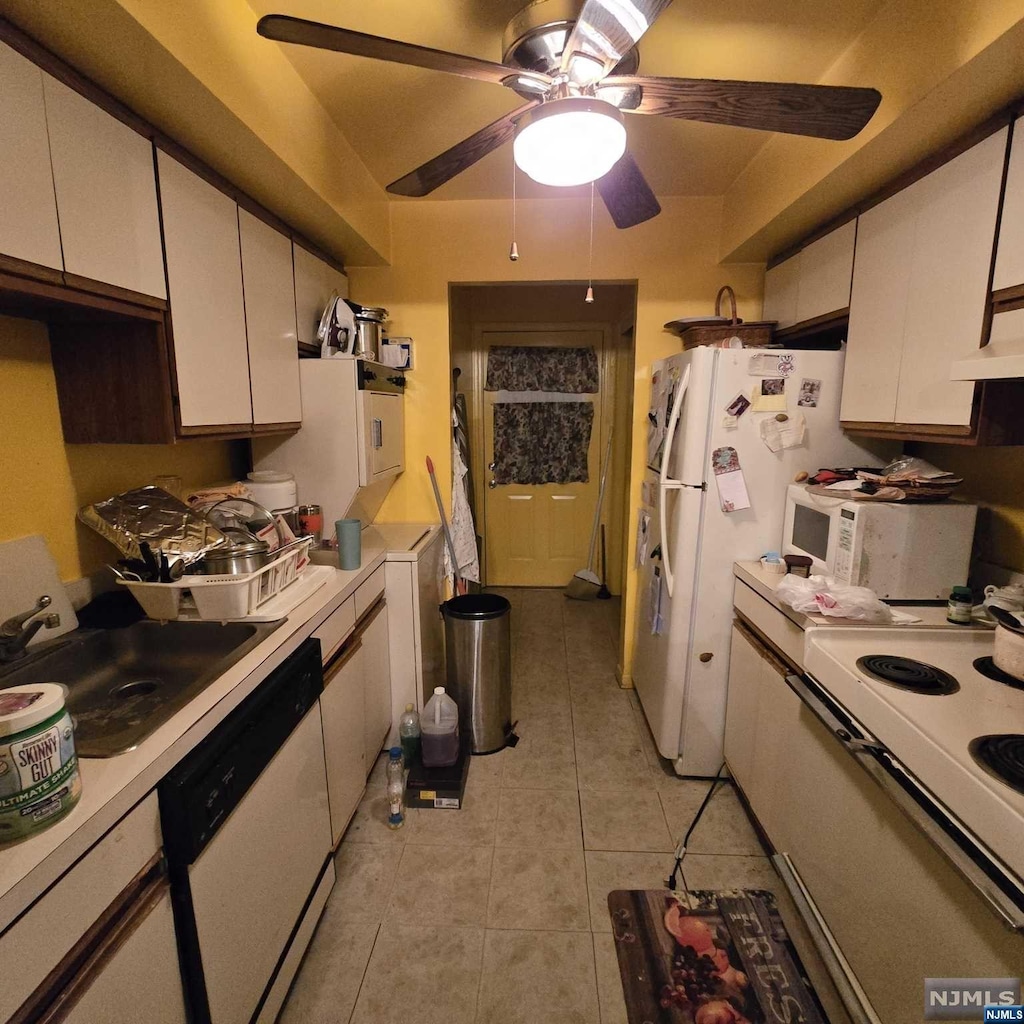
column 994, row 478
column 673, row 258
column 942, row 66
column 45, row 481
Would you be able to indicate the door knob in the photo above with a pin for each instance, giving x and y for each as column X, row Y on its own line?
column 493, row 483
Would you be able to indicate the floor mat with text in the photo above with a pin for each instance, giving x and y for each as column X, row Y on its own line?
column 709, row 958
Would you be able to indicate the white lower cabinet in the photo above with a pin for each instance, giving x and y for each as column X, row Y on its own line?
column 141, row 980
column 59, row 954
column 342, row 711
column 897, row 909
column 745, row 662
column 377, row 702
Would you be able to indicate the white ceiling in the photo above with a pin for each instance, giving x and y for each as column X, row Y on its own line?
column 397, row 117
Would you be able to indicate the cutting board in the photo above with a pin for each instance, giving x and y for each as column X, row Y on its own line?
column 27, row 571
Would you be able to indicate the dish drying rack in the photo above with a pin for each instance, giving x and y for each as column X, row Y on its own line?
column 221, row 598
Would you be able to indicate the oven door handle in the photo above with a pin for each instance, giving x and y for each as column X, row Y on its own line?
column 977, row 865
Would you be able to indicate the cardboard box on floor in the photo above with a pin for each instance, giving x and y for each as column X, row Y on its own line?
column 443, row 788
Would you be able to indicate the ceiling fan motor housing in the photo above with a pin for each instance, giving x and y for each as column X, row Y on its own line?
column 534, row 39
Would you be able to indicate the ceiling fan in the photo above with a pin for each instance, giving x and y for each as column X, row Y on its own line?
column 576, row 65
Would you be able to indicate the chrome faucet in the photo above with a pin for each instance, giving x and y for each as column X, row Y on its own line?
column 17, row 631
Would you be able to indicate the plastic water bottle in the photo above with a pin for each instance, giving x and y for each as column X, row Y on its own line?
column 396, row 788
column 409, row 734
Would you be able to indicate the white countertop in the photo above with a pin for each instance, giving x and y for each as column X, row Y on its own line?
column 112, row 786
column 932, row 616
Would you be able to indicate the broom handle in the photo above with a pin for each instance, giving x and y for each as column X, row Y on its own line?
column 444, row 524
column 600, row 502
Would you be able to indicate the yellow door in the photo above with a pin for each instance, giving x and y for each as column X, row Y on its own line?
column 538, row 535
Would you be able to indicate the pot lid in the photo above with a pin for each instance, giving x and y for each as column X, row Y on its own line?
column 378, row 314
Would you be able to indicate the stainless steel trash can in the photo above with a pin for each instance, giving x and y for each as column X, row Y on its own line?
column 478, row 649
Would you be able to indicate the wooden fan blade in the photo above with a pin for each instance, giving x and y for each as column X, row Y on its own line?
column 627, row 195
column 436, row 172
column 605, row 31
column 821, row 111
column 285, row 29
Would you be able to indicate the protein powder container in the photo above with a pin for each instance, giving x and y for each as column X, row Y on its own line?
column 39, row 781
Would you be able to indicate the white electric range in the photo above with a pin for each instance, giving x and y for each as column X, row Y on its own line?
column 895, row 845
column 934, row 727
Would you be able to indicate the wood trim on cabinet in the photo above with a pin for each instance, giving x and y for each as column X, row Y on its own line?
column 46, row 300
column 58, row 992
column 1008, row 298
column 995, row 420
column 113, row 291
column 275, row 428
column 1006, row 116
column 837, row 320
column 32, row 271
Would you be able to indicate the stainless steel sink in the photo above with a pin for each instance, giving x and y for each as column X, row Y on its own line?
column 123, row 684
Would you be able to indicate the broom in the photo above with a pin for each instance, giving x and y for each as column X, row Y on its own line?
column 584, row 585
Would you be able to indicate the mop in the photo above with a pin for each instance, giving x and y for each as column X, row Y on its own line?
column 585, row 585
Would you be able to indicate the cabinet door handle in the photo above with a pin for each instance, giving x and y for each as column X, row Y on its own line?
column 377, row 430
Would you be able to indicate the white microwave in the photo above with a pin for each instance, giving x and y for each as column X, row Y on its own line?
column 903, row 551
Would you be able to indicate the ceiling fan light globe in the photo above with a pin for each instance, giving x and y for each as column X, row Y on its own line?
column 570, row 141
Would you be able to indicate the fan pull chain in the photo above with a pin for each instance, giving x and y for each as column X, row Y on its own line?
column 513, row 250
column 590, row 268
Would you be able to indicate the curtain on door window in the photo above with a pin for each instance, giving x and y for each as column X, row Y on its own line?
column 572, row 371
column 542, row 442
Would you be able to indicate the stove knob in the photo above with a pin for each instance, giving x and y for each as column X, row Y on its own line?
column 369, row 375
column 397, row 381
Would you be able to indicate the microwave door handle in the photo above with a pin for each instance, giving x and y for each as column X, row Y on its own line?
column 665, row 484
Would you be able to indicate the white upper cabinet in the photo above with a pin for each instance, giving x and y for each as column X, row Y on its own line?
column 314, row 283
column 1010, row 250
column 780, row 292
column 949, row 285
column 28, row 210
column 204, row 278
column 826, row 271
column 878, row 309
column 106, row 194
column 814, row 282
column 920, row 291
column 270, row 321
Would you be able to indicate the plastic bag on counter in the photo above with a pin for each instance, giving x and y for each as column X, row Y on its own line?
column 822, row 595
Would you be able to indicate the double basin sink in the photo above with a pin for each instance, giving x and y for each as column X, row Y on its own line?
column 123, row 684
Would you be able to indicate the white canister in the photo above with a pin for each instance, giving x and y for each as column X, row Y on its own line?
column 39, row 781
column 273, row 489
column 1008, row 652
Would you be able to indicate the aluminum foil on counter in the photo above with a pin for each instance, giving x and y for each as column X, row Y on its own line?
column 152, row 515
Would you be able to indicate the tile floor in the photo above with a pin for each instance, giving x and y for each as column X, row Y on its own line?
column 497, row 913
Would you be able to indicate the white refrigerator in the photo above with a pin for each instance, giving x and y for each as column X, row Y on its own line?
column 681, row 656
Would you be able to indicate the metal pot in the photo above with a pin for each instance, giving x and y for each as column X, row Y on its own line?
column 369, row 330
column 1008, row 652
column 234, row 559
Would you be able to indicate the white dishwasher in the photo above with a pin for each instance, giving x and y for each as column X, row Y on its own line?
column 248, row 839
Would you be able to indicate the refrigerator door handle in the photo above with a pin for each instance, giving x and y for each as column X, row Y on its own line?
column 664, row 483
